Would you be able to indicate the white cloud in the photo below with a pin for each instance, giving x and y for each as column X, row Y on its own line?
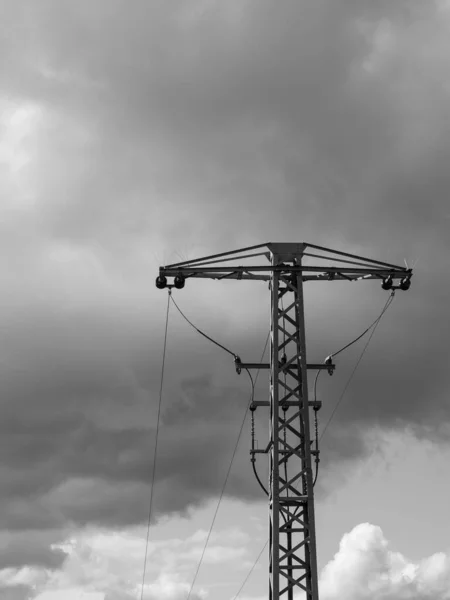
column 108, row 565
column 70, row 595
column 170, row 587
column 365, row 568
column 25, row 576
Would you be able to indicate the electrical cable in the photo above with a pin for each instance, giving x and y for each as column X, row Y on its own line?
column 317, row 460
column 251, row 571
column 261, row 485
column 356, row 366
column 253, row 383
column 253, row 460
column 223, row 490
column 202, row 333
column 374, row 324
column 156, row 443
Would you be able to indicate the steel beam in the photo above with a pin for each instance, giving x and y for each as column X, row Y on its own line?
column 312, row 366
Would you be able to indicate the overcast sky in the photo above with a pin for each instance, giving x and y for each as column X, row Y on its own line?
column 138, row 133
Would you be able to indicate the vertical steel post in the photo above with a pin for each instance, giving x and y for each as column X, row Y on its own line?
column 274, row 516
column 292, row 538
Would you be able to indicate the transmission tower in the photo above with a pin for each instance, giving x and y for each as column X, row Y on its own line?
column 292, row 532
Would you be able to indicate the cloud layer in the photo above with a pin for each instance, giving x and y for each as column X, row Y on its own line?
column 108, row 566
column 131, row 134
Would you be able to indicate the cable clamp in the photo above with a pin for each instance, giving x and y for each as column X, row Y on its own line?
column 237, row 364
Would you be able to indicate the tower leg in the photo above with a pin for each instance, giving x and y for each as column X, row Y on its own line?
column 292, row 560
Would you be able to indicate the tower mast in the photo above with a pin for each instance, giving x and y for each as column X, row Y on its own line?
column 292, row 539
column 292, row 534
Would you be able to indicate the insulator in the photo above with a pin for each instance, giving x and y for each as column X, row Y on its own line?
column 387, row 283
column 161, row 282
column 179, row 282
column 329, row 363
column 405, row 283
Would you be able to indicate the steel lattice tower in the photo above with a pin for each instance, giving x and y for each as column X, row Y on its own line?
column 292, row 539
column 292, row 535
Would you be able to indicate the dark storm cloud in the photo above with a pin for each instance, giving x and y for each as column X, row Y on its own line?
column 167, row 127
column 28, row 548
column 91, row 474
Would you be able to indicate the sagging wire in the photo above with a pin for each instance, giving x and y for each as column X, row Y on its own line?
column 249, row 404
column 316, row 458
column 374, row 324
column 155, row 454
column 223, row 490
column 252, row 409
column 372, row 327
column 251, row 571
column 253, row 459
column 233, row 354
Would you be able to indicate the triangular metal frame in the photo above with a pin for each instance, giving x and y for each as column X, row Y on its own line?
column 326, row 264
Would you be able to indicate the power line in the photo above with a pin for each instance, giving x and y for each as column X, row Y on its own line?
column 252, row 410
column 253, row 383
column 156, row 443
column 251, row 570
column 374, row 325
column 221, row 493
column 201, row 332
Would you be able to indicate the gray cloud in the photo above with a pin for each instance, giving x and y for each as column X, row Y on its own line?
column 21, row 552
column 157, row 130
column 16, row 592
